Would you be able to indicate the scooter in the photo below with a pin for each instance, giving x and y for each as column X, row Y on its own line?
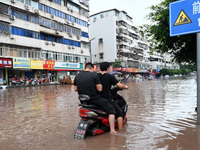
column 94, row 121
column 16, row 82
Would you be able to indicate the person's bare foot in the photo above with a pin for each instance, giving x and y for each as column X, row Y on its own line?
column 113, row 132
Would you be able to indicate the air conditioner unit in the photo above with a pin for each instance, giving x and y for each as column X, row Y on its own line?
column 53, row 43
column 78, row 37
column 68, row 8
column 13, row 1
column 27, row 7
column 82, row 51
column 69, row 47
column 72, row 10
column 36, row 11
column 73, row 23
column 12, row 17
column 70, row 35
column 57, row 32
column 47, row 42
column 12, row 36
column 73, row 47
column 67, row 22
column 52, row 15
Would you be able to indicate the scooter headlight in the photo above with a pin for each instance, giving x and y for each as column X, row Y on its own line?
column 91, row 114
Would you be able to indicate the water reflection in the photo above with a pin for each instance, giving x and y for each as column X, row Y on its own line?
column 160, row 116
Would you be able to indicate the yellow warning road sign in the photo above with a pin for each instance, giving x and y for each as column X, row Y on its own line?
column 182, row 19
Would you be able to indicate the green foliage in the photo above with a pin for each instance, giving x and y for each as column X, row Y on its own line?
column 171, row 72
column 183, row 47
column 190, row 67
column 117, row 64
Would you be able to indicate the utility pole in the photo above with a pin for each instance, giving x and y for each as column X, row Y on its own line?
column 91, row 49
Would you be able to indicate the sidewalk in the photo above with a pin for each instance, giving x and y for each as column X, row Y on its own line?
column 13, row 86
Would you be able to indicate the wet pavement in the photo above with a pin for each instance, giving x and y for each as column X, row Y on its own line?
column 161, row 116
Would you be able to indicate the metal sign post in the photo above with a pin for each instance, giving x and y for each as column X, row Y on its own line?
column 184, row 19
column 198, row 78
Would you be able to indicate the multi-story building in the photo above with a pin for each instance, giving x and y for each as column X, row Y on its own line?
column 115, row 39
column 54, row 31
column 158, row 61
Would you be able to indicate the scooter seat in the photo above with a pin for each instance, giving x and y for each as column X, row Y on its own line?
column 83, row 97
column 90, row 106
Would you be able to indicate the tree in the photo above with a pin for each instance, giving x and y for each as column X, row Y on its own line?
column 117, row 64
column 183, row 47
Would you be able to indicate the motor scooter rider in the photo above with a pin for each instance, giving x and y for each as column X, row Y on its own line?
column 87, row 82
column 107, row 80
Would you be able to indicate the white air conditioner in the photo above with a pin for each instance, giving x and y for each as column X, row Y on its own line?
column 12, row 36
column 52, row 15
column 73, row 23
column 13, row 1
column 36, row 11
column 53, row 43
column 57, row 32
column 82, row 51
column 70, row 35
column 78, row 37
column 69, row 47
column 73, row 47
column 12, row 17
column 27, row 7
column 47, row 42
column 72, row 10
column 67, row 22
column 68, row 8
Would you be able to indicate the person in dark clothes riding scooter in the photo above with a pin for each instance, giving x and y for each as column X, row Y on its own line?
column 107, row 80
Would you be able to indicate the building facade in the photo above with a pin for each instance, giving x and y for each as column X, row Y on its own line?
column 117, row 40
column 52, row 31
column 114, row 38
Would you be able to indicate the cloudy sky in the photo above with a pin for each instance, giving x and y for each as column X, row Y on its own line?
column 137, row 9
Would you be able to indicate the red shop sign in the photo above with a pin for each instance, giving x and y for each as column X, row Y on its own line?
column 6, row 62
column 48, row 64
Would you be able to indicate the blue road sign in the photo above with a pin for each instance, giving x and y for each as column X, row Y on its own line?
column 184, row 16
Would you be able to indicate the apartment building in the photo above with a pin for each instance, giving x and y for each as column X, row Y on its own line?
column 43, row 36
column 158, row 61
column 116, row 39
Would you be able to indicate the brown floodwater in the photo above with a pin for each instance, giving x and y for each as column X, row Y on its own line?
column 161, row 116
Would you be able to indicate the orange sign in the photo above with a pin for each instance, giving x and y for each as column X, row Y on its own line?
column 48, row 64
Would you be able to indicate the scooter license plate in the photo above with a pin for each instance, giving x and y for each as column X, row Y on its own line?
column 82, row 129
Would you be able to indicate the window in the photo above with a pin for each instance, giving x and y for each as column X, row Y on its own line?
column 101, row 40
column 1, row 51
column 25, row 53
column 15, row 53
column 101, row 56
column 29, row 54
column 19, row 53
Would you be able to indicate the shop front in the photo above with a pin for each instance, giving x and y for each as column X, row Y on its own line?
column 37, row 67
column 49, row 70
column 5, row 66
column 21, row 68
column 65, row 69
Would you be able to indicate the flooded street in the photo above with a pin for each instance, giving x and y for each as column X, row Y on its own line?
column 161, row 116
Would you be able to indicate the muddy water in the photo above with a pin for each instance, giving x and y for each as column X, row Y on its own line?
column 161, row 116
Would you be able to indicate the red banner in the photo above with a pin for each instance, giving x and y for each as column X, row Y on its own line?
column 6, row 62
column 48, row 64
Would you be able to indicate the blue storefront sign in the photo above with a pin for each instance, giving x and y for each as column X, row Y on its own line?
column 184, row 17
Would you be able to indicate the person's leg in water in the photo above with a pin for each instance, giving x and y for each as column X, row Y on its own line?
column 118, row 115
column 111, row 119
column 120, row 123
column 108, row 108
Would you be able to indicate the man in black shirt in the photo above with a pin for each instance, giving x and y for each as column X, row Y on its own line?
column 88, row 83
column 107, row 80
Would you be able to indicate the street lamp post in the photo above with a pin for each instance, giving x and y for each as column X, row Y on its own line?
column 91, row 49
